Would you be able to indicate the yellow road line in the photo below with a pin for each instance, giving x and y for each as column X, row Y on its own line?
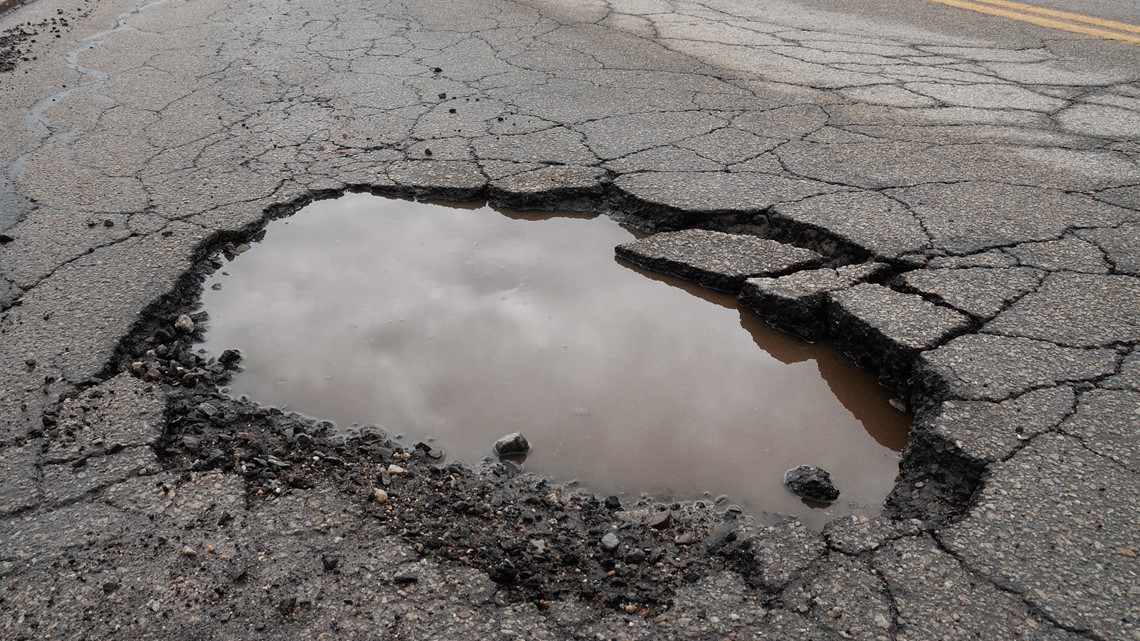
column 1045, row 22
column 1064, row 15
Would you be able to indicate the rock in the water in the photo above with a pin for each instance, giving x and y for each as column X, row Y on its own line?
column 512, row 445
column 184, row 324
column 812, row 483
column 229, row 357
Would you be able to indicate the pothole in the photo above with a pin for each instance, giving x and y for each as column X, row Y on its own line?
column 457, row 325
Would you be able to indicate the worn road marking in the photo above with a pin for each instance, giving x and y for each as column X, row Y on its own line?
column 1052, row 18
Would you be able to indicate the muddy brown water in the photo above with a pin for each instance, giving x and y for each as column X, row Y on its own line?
column 462, row 324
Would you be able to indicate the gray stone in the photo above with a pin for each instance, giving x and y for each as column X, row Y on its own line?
column 980, row 292
column 885, row 330
column 812, row 483
column 513, row 444
column 797, row 303
column 610, row 542
column 1056, row 524
column 184, row 324
column 995, row 368
column 715, row 259
column 1077, row 310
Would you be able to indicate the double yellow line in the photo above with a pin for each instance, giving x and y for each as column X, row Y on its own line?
column 1052, row 18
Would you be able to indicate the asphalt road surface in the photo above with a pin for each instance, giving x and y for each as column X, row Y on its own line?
column 990, row 163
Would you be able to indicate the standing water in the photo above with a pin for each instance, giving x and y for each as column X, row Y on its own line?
column 463, row 325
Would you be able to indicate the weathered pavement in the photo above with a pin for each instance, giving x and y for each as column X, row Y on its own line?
column 995, row 179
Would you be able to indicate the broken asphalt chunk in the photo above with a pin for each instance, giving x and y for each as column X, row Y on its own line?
column 797, row 303
column 885, row 330
column 715, row 259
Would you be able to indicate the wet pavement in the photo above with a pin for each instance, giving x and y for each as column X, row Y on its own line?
column 989, row 165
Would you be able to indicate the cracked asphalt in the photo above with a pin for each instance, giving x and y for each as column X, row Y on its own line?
column 958, row 202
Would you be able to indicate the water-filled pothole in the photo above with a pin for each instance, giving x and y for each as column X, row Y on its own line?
column 464, row 324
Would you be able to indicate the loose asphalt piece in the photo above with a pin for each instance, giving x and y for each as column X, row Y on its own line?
column 968, row 211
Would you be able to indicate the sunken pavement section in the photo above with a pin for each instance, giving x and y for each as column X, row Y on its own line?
column 961, row 215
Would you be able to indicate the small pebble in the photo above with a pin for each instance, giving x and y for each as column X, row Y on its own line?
column 184, row 324
column 660, row 520
column 610, row 542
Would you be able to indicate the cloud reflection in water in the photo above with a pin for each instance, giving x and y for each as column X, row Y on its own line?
column 467, row 324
